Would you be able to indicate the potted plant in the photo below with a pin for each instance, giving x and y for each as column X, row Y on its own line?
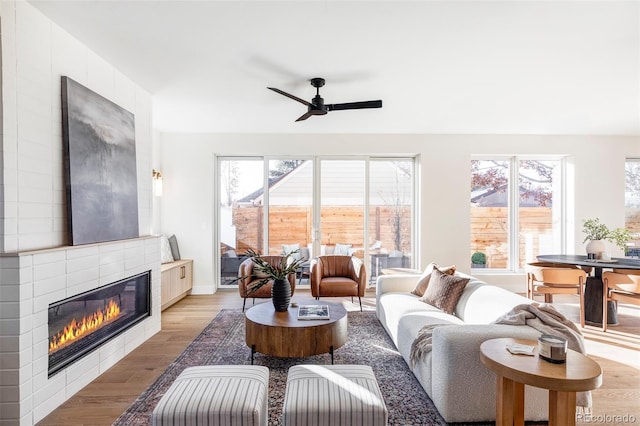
column 478, row 260
column 281, row 290
column 597, row 233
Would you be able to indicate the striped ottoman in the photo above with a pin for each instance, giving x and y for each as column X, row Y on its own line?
column 216, row 395
column 333, row 395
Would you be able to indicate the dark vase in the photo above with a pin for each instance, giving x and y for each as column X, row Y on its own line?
column 281, row 295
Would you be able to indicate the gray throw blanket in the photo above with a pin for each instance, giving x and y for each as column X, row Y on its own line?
column 547, row 320
column 422, row 343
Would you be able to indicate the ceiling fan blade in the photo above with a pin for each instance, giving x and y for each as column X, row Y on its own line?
column 354, row 105
column 315, row 111
column 290, row 96
column 305, row 116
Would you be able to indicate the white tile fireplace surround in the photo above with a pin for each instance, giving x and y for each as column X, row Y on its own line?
column 29, row 282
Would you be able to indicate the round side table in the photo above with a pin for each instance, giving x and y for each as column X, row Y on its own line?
column 578, row 373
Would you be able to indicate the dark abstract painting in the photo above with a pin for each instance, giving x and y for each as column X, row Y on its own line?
column 100, row 157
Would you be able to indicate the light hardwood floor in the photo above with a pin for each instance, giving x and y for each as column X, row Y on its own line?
column 103, row 400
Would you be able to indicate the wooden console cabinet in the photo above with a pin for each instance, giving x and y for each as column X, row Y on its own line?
column 177, row 281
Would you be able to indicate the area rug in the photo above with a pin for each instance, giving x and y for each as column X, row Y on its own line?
column 222, row 342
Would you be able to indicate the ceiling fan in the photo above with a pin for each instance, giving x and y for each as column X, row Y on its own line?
column 317, row 105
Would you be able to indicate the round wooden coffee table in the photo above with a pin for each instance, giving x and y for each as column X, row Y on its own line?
column 282, row 334
column 578, row 373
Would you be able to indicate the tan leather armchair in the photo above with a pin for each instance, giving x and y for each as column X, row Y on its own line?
column 248, row 279
column 338, row 276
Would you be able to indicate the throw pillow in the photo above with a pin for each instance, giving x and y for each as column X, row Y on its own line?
column 444, row 290
column 175, row 252
column 423, row 282
column 342, row 249
column 289, row 248
column 165, row 250
column 304, row 253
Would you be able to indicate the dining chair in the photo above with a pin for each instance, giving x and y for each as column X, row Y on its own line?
column 551, row 278
column 621, row 285
column 338, row 276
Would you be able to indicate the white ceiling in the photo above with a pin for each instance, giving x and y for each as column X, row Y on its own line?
column 462, row 67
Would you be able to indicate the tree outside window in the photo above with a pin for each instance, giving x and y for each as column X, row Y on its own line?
column 632, row 204
column 496, row 208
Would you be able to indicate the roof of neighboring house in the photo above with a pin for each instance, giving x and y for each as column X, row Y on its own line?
column 343, row 183
column 257, row 194
column 497, row 197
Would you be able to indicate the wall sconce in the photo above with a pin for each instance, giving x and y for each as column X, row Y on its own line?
column 157, row 183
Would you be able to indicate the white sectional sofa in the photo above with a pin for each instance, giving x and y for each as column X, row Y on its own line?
column 461, row 387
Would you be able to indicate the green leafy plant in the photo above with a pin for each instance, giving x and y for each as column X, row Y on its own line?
column 478, row 258
column 595, row 230
column 288, row 265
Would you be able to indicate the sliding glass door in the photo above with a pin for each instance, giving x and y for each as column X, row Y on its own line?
column 355, row 206
column 290, row 206
column 391, row 189
column 342, row 201
column 240, row 213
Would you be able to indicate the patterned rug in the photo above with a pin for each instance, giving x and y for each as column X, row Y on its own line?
column 222, row 342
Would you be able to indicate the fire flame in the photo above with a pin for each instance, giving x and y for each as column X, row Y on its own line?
column 76, row 329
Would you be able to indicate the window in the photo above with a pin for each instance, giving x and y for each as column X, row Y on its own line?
column 632, row 204
column 239, row 213
column 317, row 205
column 390, row 214
column 290, row 206
column 516, row 211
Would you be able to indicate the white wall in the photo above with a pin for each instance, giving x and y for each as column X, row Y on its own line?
column 35, row 54
column 597, row 167
column 36, row 266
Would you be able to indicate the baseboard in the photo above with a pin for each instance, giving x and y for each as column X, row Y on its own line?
column 202, row 289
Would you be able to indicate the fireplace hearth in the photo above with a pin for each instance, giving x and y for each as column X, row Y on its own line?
column 82, row 323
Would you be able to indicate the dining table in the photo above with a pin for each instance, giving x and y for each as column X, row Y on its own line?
column 594, row 287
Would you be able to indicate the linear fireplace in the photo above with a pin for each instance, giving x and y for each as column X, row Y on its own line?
column 82, row 323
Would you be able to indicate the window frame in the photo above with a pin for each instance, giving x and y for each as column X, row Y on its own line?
column 317, row 198
column 513, row 206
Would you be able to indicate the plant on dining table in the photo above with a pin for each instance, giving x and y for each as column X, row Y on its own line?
column 595, row 230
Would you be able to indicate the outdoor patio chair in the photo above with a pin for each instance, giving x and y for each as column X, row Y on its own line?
column 229, row 264
column 338, row 276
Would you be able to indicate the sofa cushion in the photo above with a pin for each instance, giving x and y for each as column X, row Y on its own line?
column 423, row 282
column 444, row 290
column 394, row 306
column 481, row 303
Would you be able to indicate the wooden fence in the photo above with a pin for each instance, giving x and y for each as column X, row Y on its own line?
column 489, row 232
column 344, row 225
column 340, row 225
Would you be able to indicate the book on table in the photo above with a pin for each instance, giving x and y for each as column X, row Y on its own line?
column 313, row 312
